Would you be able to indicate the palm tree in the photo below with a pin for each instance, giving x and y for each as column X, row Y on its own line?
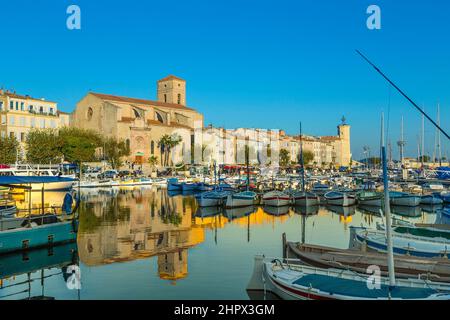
column 153, row 161
column 166, row 143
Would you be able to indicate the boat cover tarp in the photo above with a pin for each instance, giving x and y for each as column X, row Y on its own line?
column 443, row 173
column 13, row 180
column 359, row 289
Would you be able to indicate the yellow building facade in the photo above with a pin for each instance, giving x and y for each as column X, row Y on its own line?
column 21, row 113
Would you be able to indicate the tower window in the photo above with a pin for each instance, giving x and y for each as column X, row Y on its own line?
column 165, row 97
column 179, row 98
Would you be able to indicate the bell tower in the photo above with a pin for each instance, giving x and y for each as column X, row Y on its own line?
column 172, row 89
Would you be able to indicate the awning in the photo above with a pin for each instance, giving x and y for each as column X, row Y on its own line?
column 139, row 154
column 12, row 180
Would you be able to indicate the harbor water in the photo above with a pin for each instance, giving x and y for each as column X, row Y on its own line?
column 148, row 243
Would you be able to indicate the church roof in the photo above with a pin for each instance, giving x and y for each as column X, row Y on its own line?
column 109, row 97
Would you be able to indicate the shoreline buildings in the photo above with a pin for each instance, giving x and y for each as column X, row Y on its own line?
column 141, row 123
column 21, row 113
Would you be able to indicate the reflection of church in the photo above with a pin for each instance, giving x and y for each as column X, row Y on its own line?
column 156, row 225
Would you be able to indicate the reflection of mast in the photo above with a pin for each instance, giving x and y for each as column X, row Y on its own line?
column 303, row 228
column 248, row 228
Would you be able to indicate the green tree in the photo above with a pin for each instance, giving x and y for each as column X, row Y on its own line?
column 114, row 150
column 44, row 146
column 285, row 157
column 166, row 143
column 9, row 148
column 153, row 161
column 308, row 156
column 424, row 157
column 78, row 144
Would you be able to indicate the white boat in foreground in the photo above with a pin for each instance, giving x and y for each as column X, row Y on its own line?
column 299, row 282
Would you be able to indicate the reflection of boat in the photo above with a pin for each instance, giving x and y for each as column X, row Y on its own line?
column 240, row 199
column 276, row 199
column 407, row 211
column 337, row 198
column 311, row 210
column 373, row 210
column 430, row 208
column 359, row 261
column 207, row 211
column 19, row 269
column 174, row 193
column 300, row 282
column 276, row 211
column 233, row 213
column 403, row 243
column 343, row 211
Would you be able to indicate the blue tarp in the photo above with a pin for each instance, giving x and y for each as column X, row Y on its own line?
column 443, row 173
column 12, row 180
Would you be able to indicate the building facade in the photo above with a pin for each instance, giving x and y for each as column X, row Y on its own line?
column 21, row 113
column 141, row 123
column 227, row 146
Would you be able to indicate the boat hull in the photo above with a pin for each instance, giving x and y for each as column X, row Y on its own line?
column 235, row 201
column 406, row 201
column 39, row 236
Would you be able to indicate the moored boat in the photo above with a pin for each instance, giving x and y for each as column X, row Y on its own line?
column 300, row 282
column 403, row 243
column 370, row 198
column 276, row 199
column 431, row 199
column 404, row 199
column 305, row 199
column 359, row 261
column 340, row 198
column 240, row 199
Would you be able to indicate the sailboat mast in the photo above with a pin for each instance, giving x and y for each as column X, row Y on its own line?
column 387, row 211
column 439, row 136
column 423, row 139
column 302, row 164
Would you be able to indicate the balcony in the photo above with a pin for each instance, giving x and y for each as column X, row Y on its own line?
column 42, row 113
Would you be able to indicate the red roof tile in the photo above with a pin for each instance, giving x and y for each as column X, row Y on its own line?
column 140, row 101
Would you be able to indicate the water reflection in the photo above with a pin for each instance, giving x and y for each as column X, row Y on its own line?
column 134, row 242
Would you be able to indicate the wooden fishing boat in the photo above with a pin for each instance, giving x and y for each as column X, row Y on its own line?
column 240, row 199
column 276, row 199
column 370, row 198
column 320, row 189
column 174, row 185
column 404, row 199
column 305, row 199
column 338, row 198
column 300, row 282
column 212, row 198
column 359, row 261
column 403, row 244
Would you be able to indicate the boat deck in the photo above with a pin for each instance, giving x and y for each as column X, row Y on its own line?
column 359, row 289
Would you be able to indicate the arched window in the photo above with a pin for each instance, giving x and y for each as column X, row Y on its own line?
column 137, row 114
column 179, row 98
column 152, row 147
column 159, row 117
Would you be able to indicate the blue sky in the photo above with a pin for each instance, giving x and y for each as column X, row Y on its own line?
column 267, row 64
